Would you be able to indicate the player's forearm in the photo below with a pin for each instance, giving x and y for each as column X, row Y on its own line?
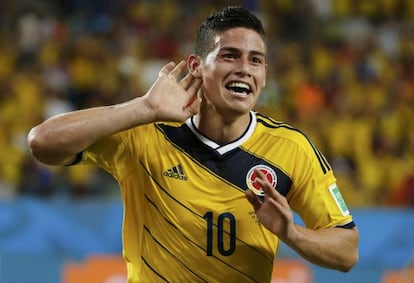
column 334, row 248
column 57, row 140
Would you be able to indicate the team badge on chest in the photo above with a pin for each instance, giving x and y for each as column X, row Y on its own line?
column 251, row 178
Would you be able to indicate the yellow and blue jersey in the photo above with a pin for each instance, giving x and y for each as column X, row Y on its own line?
column 186, row 217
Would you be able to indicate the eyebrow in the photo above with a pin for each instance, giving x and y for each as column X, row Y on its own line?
column 236, row 50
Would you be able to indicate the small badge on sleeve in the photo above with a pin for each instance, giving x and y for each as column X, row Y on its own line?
column 340, row 202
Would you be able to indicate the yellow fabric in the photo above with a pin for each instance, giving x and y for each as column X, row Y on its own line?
column 178, row 228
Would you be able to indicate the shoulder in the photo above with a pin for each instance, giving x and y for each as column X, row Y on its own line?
column 290, row 139
column 168, row 124
column 281, row 130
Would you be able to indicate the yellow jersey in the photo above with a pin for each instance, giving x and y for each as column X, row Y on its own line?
column 186, row 217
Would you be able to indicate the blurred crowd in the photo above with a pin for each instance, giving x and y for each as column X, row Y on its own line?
column 342, row 71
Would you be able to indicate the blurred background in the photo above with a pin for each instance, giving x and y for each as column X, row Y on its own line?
column 342, row 71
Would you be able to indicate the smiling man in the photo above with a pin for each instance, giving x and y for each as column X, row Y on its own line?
column 209, row 185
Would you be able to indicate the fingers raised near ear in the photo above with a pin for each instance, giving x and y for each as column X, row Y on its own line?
column 178, row 70
column 165, row 71
column 192, row 89
column 192, row 86
column 187, row 82
column 174, row 71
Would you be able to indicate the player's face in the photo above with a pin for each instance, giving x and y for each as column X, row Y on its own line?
column 234, row 71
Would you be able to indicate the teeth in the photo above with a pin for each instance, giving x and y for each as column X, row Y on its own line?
column 239, row 87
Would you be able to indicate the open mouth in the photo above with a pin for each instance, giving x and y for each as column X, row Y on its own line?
column 239, row 88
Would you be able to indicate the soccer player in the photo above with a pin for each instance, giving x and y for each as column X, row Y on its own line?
column 209, row 185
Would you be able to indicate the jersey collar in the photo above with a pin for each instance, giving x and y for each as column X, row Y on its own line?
column 222, row 149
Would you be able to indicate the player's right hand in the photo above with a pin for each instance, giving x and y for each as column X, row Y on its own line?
column 171, row 98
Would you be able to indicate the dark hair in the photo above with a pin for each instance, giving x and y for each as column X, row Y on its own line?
column 222, row 20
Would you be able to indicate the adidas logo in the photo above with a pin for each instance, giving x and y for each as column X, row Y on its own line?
column 176, row 172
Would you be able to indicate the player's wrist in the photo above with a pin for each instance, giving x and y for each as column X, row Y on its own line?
column 293, row 236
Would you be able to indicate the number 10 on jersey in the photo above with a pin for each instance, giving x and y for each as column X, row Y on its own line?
column 224, row 236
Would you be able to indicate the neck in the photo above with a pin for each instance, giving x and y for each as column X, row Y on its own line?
column 220, row 129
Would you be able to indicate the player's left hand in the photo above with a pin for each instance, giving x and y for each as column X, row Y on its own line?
column 274, row 212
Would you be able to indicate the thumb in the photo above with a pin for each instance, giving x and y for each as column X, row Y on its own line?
column 254, row 201
column 193, row 107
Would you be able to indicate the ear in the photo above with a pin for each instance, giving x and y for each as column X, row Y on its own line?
column 194, row 65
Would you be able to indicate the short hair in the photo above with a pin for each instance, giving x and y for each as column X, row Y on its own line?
column 223, row 20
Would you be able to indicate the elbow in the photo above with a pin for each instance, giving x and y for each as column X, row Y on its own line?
column 351, row 253
column 50, row 148
column 36, row 143
column 40, row 147
column 350, row 263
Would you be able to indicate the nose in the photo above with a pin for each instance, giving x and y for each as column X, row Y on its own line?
column 243, row 66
